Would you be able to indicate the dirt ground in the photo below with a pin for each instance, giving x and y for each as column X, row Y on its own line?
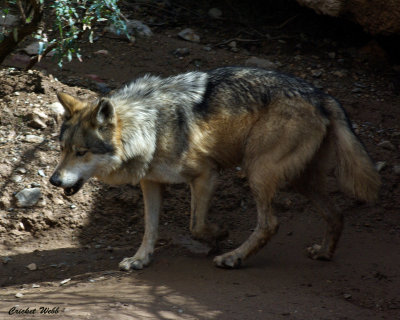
column 76, row 243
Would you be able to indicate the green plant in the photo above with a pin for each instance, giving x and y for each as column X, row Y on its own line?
column 72, row 19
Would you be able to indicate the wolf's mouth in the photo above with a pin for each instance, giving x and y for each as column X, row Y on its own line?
column 74, row 189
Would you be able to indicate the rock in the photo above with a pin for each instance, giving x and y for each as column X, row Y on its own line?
column 189, row 35
column 32, row 266
column 347, row 296
column 16, row 178
column 8, row 20
column 316, row 73
column 19, row 295
column 33, row 49
column 396, row 169
column 33, row 138
column 35, row 285
column 57, row 108
column 102, row 52
column 5, row 260
column 260, row 63
column 138, row 28
column 36, row 123
column 181, row 52
column 28, row 197
column 386, row 144
column 133, row 28
column 207, row 48
column 41, row 173
column 21, row 170
column 375, row 16
column 65, row 281
column 380, row 165
column 339, row 73
column 215, row 13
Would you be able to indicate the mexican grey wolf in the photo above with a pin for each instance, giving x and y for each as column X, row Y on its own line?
column 186, row 128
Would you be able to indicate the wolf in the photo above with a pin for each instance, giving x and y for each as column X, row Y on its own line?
column 184, row 129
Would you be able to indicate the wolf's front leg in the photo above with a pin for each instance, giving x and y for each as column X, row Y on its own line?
column 152, row 195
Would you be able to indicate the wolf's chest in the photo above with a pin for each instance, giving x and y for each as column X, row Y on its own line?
column 166, row 173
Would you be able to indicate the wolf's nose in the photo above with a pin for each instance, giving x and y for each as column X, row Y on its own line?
column 55, row 179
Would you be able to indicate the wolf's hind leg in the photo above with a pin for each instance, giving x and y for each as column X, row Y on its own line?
column 152, row 194
column 202, row 188
column 313, row 184
column 334, row 226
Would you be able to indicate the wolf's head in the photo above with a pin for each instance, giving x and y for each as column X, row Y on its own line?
column 88, row 139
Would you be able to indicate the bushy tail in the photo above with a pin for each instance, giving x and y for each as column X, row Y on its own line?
column 355, row 170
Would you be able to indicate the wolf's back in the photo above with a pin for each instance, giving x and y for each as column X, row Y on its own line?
column 356, row 172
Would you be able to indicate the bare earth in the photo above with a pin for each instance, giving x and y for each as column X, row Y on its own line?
column 83, row 238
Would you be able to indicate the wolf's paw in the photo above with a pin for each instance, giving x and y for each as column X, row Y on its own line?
column 228, row 261
column 133, row 263
column 316, row 252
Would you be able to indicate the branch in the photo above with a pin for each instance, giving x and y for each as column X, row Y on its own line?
column 12, row 39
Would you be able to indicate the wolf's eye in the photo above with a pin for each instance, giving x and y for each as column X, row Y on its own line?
column 81, row 153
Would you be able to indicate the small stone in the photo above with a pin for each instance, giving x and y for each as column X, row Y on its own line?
column 260, row 63
column 57, row 108
column 380, row 165
column 21, row 170
column 16, row 178
column 72, row 206
column 21, row 226
column 32, row 266
column 19, row 295
column 332, row 55
column 396, row 169
column 36, row 123
column 28, row 197
column 316, row 73
column 102, row 52
column 356, row 90
column 35, row 185
column 347, row 296
column 181, row 52
column 232, row 44
column 33, row 138
column 35, row 285
column 215, row 13
column 189, row 35
column 16, row 93
column 5, row 260
column 386, row 144
column 207, row 48
column 339, row 73
column 65, row 281
column 41, row 173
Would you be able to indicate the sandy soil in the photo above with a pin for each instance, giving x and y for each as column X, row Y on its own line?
column 83, row 238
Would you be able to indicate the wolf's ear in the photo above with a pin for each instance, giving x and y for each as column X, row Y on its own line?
column 70, row 104
column 104, row 113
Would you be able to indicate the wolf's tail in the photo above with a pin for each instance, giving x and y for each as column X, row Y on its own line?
column 355, row 170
